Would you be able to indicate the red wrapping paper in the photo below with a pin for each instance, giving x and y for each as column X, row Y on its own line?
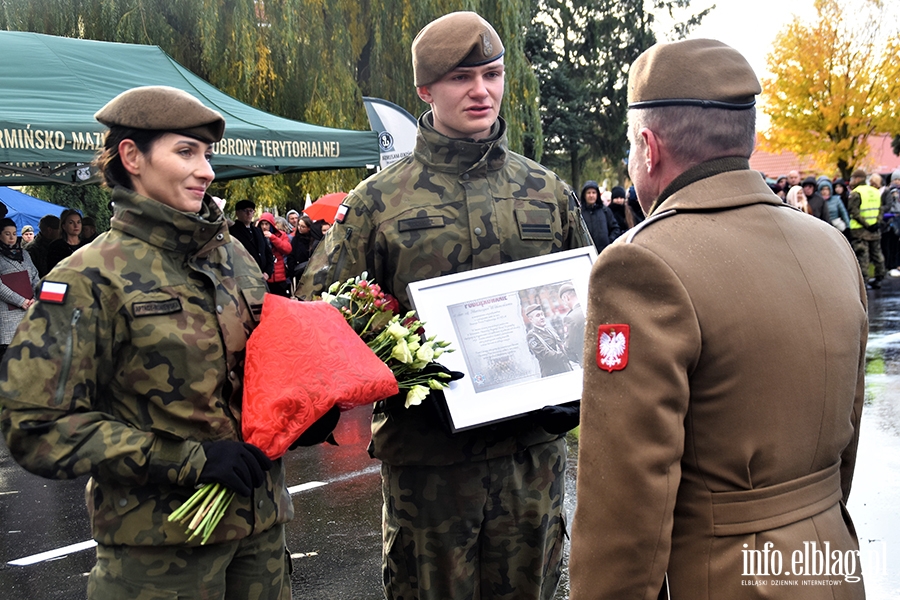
column 302, row 359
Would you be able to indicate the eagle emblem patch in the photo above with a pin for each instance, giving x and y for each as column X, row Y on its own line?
column 612, row 347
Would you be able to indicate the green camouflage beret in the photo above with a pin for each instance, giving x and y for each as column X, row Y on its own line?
column 163, row 108
column 704, row 73
column 459, row 39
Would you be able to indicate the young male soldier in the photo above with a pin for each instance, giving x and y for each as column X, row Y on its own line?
column 545, row 344
column 476, row 514
column 705, row 445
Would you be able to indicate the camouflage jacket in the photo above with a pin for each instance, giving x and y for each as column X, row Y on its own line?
column 452, row 206
column 139, row 363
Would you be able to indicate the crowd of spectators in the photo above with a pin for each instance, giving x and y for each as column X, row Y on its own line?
column 866, row 209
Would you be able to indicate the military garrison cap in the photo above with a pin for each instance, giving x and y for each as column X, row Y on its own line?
column 704, row 73
column 566, row 288
column 533, row 308
column 163, row 108
column 458, row 39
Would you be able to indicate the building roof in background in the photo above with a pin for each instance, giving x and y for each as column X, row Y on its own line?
column 881, row 159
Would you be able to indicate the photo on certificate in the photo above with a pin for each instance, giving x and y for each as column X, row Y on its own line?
column 518, row 332
column 518, row 336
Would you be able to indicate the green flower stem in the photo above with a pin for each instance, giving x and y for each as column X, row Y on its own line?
column 203, row 509
column 183, row 512
column 218, row 511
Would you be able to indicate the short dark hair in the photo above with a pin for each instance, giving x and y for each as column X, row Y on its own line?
column 110, row 163
column 49, row 222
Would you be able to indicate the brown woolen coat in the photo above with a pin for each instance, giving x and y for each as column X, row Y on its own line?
column 736, row 418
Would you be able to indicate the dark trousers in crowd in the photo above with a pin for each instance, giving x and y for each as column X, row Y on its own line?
column 890, row 243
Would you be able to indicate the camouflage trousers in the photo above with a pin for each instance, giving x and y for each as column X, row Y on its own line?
column 254, row 568
column 482, row 530
column 868, row 250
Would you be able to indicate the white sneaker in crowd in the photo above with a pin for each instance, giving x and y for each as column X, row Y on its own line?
column 894, row 272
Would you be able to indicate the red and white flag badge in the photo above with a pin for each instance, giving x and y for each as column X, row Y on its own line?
column 612, row 347
column 341, row 213
column 53, row 292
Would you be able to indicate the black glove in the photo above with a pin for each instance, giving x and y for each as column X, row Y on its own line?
column 236, row 465
column 874, row 227
column 398, row 401
column 320, row 431
column 435, row 368
column 560, row 418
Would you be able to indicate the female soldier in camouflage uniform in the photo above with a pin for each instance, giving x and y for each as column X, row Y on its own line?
column 128, row 368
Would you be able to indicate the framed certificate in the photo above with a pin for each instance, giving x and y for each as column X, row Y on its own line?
column 517, row 330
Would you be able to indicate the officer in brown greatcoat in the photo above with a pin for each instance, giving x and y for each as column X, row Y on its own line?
column 709, row 455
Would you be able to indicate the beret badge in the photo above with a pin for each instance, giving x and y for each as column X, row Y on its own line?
column 486, row 45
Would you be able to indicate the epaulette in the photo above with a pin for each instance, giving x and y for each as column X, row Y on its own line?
column 657, row 217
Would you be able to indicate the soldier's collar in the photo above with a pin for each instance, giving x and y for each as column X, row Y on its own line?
column 460, row 155
column 163, row 226
column 702, row 171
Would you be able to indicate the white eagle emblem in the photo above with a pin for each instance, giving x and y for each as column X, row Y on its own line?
column 612, row 346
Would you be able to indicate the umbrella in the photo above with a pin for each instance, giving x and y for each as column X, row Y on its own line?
column 325, row 207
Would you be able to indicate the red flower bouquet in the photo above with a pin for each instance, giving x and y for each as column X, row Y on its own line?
column 303, row 359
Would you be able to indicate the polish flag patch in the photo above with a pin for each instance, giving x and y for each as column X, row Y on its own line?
column 53, row 292
column 341, row 213
column 612, row 347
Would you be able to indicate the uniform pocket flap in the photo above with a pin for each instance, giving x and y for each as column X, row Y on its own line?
column 535, row 223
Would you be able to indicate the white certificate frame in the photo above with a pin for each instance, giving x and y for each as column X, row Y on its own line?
column 434, row 299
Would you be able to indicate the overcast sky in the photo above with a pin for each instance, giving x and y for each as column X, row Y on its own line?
column 751, row 27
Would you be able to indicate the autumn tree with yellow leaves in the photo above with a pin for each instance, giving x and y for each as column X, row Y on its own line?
column 835, row 82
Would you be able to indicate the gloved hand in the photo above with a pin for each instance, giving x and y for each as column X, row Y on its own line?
column 874, row 227
column 398, row 401
column 320, row 431
column 435, row 368
column 560, row 418
column 239, row 466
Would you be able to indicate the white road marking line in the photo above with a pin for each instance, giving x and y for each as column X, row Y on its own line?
column 6, row 493
column 305, row 486
column 51, row 554
column 60, row 552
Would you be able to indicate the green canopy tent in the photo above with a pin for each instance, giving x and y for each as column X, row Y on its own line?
column 50, row 88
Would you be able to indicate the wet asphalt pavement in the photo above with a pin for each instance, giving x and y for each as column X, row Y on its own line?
column 335, row 538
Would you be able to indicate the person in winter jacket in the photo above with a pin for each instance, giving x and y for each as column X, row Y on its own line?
column 837, row 212
column 600, row 221
column 280, row 246
column 139, row 340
